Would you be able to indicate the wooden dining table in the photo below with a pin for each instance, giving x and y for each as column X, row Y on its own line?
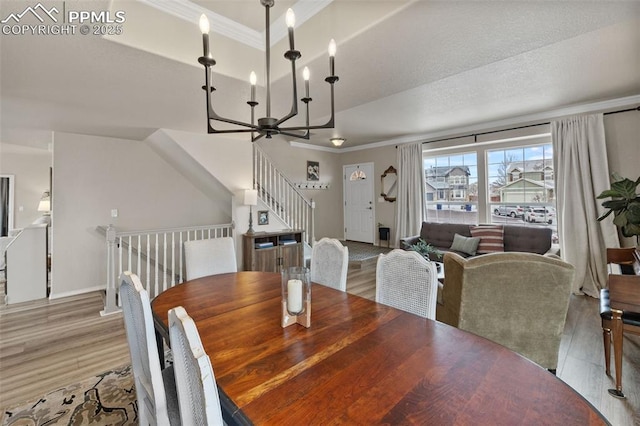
column 360, row 362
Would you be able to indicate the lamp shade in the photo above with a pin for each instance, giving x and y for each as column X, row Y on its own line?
column 45, row 202
column 337, row 141
column 251, row 197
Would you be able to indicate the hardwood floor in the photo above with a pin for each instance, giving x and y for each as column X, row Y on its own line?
column 47, row 344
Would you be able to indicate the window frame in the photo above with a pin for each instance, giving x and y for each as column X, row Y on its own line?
column 539, row 135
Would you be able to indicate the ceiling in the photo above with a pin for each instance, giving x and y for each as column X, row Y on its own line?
column 408, row 69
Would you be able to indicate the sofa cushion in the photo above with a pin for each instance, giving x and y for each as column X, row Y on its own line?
column 467, row 245
column 532, row 239
column 441, row 234
column 491, row 238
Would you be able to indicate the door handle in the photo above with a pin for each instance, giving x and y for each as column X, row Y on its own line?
column 369, row 208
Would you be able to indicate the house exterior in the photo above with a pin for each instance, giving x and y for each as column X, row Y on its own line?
column 528, row 181
column 447, row 183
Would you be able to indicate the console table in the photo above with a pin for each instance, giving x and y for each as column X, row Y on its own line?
column 271, row 251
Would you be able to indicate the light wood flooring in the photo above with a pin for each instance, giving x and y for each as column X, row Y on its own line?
column 52, row 343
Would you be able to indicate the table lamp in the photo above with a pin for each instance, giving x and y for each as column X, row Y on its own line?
column 250, row 199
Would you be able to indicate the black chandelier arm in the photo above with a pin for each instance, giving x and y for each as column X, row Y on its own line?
column 328, row 125
column 212, row 130
column 211, row 115
column 304, row 135
column 292, row 55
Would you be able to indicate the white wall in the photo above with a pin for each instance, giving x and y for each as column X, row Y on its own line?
column 91, row 176
column 30, row 167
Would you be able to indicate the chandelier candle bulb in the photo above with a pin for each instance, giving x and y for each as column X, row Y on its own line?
column 291, row 21
column 332, row 55
column 204, row 27
column 305, row 75
column 294, row 297
column 253, row 81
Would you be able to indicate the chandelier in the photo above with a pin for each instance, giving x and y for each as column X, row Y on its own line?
column 268, row 125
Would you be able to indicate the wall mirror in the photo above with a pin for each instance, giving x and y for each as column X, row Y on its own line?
column 390, row 184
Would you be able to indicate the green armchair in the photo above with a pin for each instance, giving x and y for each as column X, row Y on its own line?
column 518, row 300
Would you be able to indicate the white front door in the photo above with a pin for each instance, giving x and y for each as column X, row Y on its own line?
column 358, row 202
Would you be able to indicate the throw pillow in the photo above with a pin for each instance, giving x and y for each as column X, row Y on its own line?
column 491, row 238
column 467, row 245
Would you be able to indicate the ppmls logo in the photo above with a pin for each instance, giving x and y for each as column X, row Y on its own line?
column 40, row 20
column 16, row 17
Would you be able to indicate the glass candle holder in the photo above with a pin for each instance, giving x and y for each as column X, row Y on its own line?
column 296, row 296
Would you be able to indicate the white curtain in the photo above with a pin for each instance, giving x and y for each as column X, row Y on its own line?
column 411, row 210
column 582, row 173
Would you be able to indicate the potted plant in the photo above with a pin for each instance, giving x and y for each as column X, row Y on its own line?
column 426, row 249
column 624, row 204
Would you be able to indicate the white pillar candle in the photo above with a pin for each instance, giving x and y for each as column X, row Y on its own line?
column 294, row 296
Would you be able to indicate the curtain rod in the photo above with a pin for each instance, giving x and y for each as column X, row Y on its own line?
column 475, row 135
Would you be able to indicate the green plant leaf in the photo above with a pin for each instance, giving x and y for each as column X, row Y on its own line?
column 620, row 220
column 631, row 230
column 615, row 204
column 633, row 213
column 609, row 193
column 605, row 215
column 626, row 188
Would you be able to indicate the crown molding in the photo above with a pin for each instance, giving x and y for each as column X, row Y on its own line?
column 315, row 147
column 190, row 12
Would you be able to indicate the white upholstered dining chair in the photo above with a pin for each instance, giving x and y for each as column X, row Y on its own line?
column 405, row 280
column 210, row 257
column 195, row 382
column 155, row 388
column 329, row 263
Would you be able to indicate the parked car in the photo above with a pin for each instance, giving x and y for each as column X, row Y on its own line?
column 540, row 215
column 513, row 211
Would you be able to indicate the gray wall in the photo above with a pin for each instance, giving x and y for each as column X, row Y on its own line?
column 91, row 176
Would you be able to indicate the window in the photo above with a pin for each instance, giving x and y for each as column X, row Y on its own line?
column 531, row 197
column 451, row 188
column 358, row 175
column 506, row 181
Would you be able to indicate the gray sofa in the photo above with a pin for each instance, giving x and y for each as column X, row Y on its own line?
column 517, row 238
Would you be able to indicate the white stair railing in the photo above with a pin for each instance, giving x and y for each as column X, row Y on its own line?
column 281, row 196
column 156, row 256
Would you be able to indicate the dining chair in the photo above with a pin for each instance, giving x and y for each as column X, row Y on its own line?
column 155, row 388
column 620, row 313
column 209, row 257
column 195, row 381
column 519, row 300
column 623, row 260
column 329, row 263
column 406, row 280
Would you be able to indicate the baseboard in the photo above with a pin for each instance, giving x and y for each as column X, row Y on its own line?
column 54, row 296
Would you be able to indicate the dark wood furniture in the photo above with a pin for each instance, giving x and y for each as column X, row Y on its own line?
column 620, row 309
column 360, row 362
column 286, row 250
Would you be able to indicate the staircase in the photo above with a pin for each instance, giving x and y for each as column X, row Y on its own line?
column 281, row 196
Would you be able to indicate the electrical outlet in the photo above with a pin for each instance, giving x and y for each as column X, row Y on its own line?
column 114, row 212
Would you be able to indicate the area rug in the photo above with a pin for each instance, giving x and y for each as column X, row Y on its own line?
column 360, row 252
column 106, row 399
